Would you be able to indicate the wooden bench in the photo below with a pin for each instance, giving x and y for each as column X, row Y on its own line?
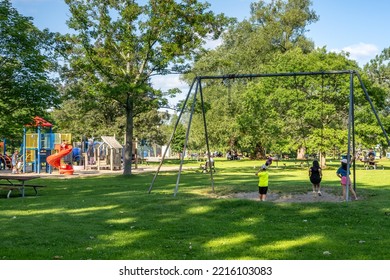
column 18, row 187
column 152, row 159
column 139, row 161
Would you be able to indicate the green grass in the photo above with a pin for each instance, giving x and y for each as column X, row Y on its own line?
column 114, row 217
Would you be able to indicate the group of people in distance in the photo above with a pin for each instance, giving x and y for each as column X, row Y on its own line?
column 315, row 175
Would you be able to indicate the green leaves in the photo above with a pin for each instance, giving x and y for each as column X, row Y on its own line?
column 120, row 44
column 27, row 58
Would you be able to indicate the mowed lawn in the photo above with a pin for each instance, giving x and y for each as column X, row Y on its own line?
column 113, row 217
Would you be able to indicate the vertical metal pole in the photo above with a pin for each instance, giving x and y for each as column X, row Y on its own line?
column 38, row 160
column 353, row 134
column 51, row 135
column 206, row 136
column 372, row 108
column 186, row 141
column 24, row 150
column 350, row 121
column 173, row 133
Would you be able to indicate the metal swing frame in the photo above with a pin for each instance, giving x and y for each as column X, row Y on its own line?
column 197, row 83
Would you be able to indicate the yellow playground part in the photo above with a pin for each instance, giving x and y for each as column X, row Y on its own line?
column 30, row 155
column 31, row 140
column 65, row 137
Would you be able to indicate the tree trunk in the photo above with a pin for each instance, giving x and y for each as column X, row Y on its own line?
column 259, row 152
column 301, row 153
column 127, row 161
column 323, row 159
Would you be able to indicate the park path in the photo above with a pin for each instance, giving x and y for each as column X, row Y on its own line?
column 83, row 173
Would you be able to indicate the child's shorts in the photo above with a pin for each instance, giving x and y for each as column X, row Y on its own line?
column 344, row 180
column 263, row 190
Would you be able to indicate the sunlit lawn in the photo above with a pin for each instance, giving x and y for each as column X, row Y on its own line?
column 114, row 217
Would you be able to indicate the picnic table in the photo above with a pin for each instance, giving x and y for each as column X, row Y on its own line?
column 367, row 163
column 17, row 182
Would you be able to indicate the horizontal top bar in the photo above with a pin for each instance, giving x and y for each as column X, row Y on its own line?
column 287, row 74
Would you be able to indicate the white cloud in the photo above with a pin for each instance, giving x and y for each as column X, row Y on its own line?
column 168, row 82
column 361, row 52
column 213, row 44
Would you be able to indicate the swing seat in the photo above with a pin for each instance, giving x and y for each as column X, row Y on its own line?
column 205, row 167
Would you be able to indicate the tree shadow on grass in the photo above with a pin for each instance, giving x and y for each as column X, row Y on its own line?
column 115, row 218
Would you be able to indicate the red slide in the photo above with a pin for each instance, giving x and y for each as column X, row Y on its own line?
column 55, row 161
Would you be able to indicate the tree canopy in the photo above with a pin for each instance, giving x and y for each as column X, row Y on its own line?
column 27, row 59
column 118, row 45
column 280, row 115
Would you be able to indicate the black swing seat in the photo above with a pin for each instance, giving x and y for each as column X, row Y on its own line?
column 205, row 167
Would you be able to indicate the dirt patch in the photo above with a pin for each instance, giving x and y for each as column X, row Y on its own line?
column 327, row 196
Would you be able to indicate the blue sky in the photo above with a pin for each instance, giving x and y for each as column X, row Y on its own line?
column 357, row 26
column 360, row 27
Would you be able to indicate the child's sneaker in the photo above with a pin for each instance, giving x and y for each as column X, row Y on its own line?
column 319, row 193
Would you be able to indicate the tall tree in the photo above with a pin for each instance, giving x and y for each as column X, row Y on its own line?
column 287, row 113
column 27, row 88
column 283, row 23
column 378, row 72
column 118, row 45
column 378, row 69
column 89, row 116
column 275, row 27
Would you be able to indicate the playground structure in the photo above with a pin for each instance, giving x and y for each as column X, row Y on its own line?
column 145, row 149
column 55, row 160
column 111, row 150
column 42, row 145
column 43, row 150
column 104, row 153
column 5, row 160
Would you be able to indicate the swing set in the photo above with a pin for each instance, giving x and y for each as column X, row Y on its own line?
column 197, row 84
